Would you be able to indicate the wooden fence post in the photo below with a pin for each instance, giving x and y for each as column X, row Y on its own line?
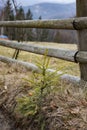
column 81, row 7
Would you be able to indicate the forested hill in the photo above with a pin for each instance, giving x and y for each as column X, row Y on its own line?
column 46, row 11
column 52, row 10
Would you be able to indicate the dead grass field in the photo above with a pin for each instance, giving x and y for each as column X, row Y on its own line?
column 65, row 110
column 66, row 67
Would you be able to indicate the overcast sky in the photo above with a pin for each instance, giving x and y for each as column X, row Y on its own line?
column 30, row 2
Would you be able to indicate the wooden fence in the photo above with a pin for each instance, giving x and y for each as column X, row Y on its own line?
column 73, row 23
column 78, row 56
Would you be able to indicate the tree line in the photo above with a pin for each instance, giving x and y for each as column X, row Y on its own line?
column 11, row 13
column 8, row 13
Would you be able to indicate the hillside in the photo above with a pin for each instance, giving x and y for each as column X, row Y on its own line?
column 0, row 7
column 64, row 108
column 52, row 10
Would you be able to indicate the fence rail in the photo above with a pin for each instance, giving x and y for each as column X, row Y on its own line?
column 38, row 49
column 68, row 55
column 72, row 79
column 79, row 24
column 73, row 23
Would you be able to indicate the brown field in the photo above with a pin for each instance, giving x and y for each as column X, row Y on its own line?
column 67, row 67
column 66, row 109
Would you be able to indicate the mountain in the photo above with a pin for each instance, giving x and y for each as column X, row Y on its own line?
column 52, row 10
column 0, row 7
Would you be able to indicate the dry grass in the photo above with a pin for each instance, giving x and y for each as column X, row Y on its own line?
column 67, row 67
column 64, row 110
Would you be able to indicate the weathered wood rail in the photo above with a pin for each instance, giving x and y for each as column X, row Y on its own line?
column 53, row 52
column 73, row 79
column 64, row 54
column 79, row 24
column 73, row 23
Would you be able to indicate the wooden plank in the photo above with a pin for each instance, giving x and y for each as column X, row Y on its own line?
column 82, row 35
column 38, row 49
column 68, row 78
column 79, row 23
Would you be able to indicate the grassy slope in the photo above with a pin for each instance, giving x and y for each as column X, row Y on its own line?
column 66, row 111
column 67, row 67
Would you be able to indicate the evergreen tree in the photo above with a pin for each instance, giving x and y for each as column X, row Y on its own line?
column 8, row 11
column 29, row 15
column 1, row 19
column 8, row 16
column 29, row 31
column 38, row 32
column 20, row 32
column 20, row 14
column 41, row 34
